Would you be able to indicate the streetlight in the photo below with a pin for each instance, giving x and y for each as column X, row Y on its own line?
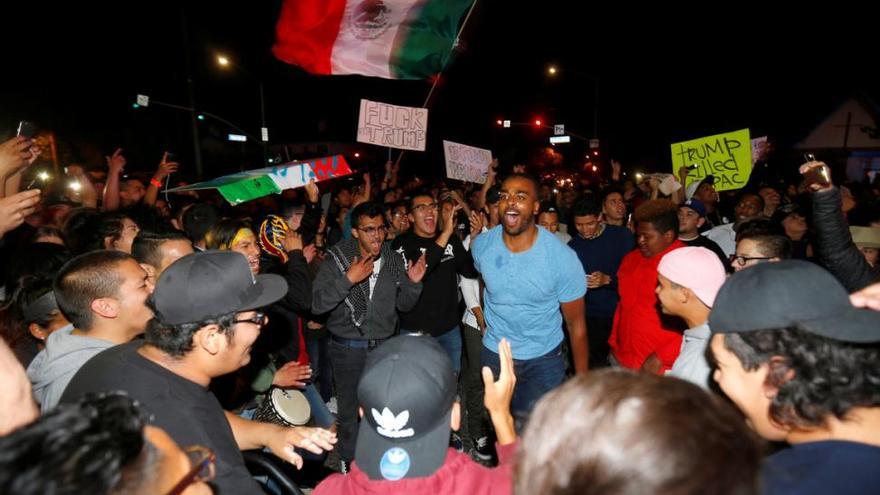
column 224, row 61
column 553, row 71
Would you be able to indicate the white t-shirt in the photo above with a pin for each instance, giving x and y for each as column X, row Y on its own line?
column 377, row 265
column 724, row 236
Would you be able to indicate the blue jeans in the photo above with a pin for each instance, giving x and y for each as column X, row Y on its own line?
column 321, row 416
column 534, row 378
column 348, row 365
column 319, row 356
column 451, row 343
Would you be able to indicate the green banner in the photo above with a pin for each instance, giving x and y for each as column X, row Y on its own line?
column 248, row 189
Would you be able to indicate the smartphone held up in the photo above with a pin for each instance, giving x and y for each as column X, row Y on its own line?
column 26, row 129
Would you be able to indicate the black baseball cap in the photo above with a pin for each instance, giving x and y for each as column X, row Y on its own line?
column 791, row 293
column 206, row 285
column 406, row 391
column 548, row 207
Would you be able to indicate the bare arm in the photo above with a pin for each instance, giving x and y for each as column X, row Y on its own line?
column 15, row 208
column 576, row 321
column 364, row 196
column 87, row 192
column 386, row 181
column 280, row 440
column 490, row 181
column 15, row 155
column 679, row 196
column 115, row 165
column 615, row 171
column 166, row 168
column 497, row 395
column 655, row 187
column 448, row 228
column 461, row 202
column 652, row 365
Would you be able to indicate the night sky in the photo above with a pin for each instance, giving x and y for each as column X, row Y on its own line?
column 664, row 76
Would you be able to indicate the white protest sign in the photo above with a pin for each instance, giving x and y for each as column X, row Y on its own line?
column 393, row 126
column 466, row 163
column 759, row 149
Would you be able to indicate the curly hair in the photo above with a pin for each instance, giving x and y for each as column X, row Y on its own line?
column 662, row 214
column 177, row 340
column 95, row 446
column 815, row 376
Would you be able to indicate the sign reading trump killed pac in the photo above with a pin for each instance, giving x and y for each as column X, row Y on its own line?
column 393, row 126
column 727, row 156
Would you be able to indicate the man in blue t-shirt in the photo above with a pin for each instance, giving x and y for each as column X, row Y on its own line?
column 529, row 275
column 802, row 363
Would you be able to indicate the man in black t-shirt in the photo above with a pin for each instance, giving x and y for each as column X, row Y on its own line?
column 437, row 312
column 204, row 327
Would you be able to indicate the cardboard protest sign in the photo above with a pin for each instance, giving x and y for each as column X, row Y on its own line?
column 759, row 149
column 252, row 184
column 393, row 126
column 726, row 156
column 466, row 163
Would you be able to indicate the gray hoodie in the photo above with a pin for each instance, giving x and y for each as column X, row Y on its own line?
column 52, row 369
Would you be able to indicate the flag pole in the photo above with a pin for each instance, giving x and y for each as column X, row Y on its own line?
column 437, row 78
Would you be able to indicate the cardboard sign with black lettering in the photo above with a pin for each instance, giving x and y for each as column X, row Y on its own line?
column 466, row 163
column 405, row 128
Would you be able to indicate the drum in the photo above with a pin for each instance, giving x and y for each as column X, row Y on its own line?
column 284, row 407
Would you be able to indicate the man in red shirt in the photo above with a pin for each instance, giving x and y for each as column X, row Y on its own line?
column 639, row 339
column 407, row 402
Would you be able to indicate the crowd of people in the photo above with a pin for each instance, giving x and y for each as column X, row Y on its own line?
column 516, row 336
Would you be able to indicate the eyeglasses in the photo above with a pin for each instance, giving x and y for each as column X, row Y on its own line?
column 258, row 319
column 425, row 207
column 202, row 460
column 373, row 230
column 742, row 260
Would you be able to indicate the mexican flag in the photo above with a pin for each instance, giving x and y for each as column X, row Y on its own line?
column 394, row 39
